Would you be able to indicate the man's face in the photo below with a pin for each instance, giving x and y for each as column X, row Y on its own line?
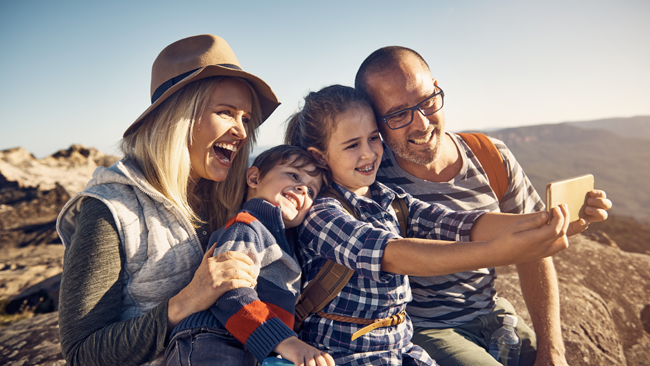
column 402, row 87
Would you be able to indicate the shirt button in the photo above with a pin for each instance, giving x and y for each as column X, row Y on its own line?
column 205, row 232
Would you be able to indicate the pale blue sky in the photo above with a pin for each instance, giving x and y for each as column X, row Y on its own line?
column 79, row 71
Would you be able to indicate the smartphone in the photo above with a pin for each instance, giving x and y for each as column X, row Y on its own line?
column 571, row 191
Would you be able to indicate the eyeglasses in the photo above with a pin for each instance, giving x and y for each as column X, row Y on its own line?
column 427, row 107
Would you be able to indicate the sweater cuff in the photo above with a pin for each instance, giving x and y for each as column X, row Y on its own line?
column 160, row 316
column 267, row 336
column 202, row 319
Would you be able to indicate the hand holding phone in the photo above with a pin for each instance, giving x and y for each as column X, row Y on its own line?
column 572, row 191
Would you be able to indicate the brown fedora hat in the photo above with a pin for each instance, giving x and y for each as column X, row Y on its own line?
column 195, row 58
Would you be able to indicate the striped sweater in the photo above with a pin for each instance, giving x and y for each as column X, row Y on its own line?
column 261, row 317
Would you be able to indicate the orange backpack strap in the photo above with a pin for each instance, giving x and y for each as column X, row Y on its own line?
column 490, row 158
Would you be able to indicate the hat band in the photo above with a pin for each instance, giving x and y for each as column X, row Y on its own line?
column 175, row 80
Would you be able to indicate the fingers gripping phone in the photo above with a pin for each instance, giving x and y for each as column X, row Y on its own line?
column 572, row 191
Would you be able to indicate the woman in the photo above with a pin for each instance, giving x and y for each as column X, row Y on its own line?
column 136, row 261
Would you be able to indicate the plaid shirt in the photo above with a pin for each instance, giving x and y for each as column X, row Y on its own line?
column 329, row 233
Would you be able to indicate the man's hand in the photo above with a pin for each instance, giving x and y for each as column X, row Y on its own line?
column 302, row 354
column 595, row 210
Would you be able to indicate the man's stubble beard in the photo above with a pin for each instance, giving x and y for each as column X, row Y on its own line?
column 422, row 157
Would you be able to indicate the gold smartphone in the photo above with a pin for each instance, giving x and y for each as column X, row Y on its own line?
column 571, row 191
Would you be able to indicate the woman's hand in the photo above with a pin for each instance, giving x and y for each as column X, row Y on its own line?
column 214, row 277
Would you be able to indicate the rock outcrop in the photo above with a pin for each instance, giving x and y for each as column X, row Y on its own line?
column 32, row 192
column 71, row 168
column 605, row 303
column 33, row 341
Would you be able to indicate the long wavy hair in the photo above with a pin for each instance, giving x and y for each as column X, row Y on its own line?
column 160, row 148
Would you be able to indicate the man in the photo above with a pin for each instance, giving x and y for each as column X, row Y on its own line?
column 455, row 315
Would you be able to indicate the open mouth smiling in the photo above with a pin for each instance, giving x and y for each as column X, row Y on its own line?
column 366, row 169
column 426, row 138
column 293, row 200
column 225, row 152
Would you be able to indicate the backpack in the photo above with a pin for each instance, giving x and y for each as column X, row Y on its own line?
column 490, row 158
column 331, row 279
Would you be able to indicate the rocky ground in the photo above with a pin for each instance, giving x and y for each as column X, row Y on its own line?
column 32, row 192
column 605, row 303
column 604, row 276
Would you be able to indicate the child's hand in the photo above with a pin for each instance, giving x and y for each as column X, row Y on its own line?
column 302, row 354
column 532, row 239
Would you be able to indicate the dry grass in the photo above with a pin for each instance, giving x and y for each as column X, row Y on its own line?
column 25, row 312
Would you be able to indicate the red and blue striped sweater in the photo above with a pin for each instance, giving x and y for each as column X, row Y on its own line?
column 261, row 317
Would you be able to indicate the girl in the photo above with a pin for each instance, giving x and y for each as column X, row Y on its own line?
column 338, row 127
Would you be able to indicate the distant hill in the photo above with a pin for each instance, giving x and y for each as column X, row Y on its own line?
column 611, row 150
column 638, row 126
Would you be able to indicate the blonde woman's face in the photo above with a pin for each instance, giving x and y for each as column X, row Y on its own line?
column 221, row 131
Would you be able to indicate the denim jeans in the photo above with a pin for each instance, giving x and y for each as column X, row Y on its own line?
column 206, row 346
column 467, row 345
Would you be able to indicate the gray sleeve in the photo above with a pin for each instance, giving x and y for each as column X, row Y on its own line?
column 91, row 332
column 520, row 197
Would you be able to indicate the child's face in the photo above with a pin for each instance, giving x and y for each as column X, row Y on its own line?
column 354, row 150
column 292, row 189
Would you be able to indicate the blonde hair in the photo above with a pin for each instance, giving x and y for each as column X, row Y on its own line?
column 160, row 148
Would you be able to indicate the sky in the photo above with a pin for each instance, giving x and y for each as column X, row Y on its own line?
column 79, row 71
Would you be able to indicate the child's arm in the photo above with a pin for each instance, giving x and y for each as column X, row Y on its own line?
column 374, row 253
column 300, row 353
column 257, row 324
column 490, row 225
column 521, row 241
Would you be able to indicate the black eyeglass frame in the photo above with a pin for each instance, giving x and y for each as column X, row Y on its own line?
column 416, row 108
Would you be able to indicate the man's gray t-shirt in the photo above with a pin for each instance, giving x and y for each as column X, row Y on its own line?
column 455, row 299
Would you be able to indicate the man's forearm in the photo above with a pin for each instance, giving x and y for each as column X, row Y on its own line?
column 538, row 281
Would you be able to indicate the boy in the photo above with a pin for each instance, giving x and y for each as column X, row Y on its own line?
column 249, row 323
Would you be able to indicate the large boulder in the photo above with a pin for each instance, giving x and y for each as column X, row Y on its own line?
column 605, row 303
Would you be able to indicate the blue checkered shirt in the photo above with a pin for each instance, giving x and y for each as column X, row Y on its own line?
column 329, row 233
